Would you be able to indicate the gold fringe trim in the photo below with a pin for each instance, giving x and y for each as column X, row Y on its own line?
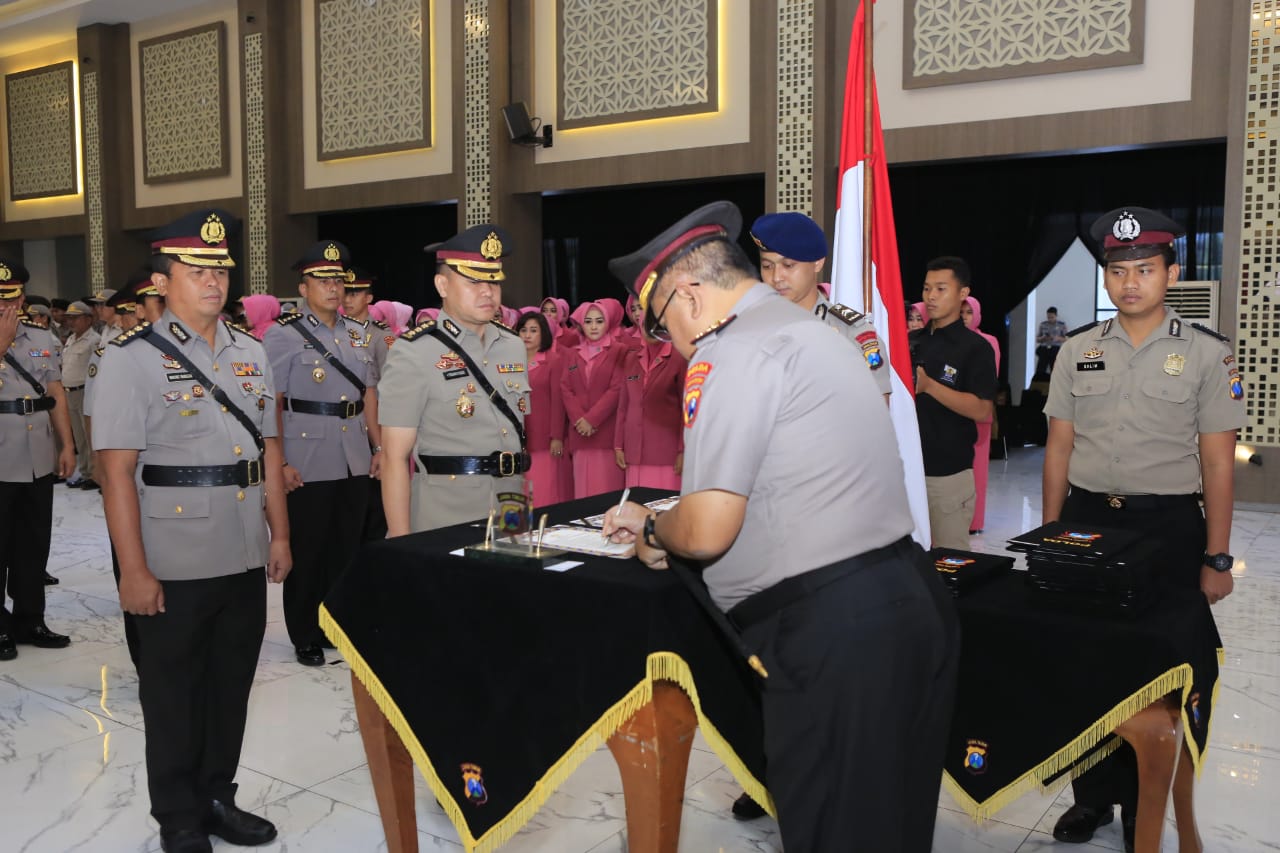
column 1062, row 761
column 660, row 666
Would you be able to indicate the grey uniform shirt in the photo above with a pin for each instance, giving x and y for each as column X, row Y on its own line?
column 90, row 373
column 378, row 339
column 322, row 447
column 75, row 358
column 857, row 328
column 1138, row 412
column 774, row 412
column 146, row 402
column 426, row 387
column 27, row 449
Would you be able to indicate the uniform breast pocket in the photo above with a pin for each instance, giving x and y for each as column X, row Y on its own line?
column 1165, row 406
column 195, row 418
column 1093, row 403
column 176, row 503
column 304, row 429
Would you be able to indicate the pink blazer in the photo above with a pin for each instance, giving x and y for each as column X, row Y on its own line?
column 546, row 420
column 650, row 423
column 597, row 401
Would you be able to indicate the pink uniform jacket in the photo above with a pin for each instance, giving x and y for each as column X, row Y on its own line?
column 596, row 400
column 650, row 425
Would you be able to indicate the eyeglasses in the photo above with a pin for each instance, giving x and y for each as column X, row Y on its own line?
column 656, row 329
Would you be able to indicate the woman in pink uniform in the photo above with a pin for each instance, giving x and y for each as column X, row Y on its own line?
column 971, row 314
column 649, row 438
column 589, row 387
column 630, row 335
column 260, row 312
column 545, row 423
column 557, row 309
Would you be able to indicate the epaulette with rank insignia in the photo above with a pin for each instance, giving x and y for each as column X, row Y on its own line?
column 140, row 331
column 235, row 327
column 286, row 319
column 1211, row 333
column 418, row 330
column 845, row 313
column 99, row 350
column 502, row 325
column 30, row 325
column 1086, row 327
column 716, row 327
column 378, row 323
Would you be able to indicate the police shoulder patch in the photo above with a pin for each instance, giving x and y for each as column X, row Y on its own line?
column 1086, row 327
column 1210, row 332
column 286, row 319
column 845, row 313
column 418, row 330
column 139, row 331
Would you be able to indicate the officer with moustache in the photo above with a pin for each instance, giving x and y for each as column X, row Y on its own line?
column 454, row 394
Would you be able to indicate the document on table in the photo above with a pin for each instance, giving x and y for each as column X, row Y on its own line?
column 585, row 540
column 659, row 505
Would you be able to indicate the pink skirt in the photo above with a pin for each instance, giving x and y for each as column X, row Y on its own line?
column 595, row 472
column 549, row 475
column 981, row 462
column 653, row 476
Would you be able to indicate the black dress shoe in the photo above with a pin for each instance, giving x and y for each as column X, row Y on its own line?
column 325, row 644
column 50, row 580
column 309, row 655
column 745, row 808
column 236, row 826
column 42, row 638
column 1078, row 823
column 184, row 841
column 8, row 650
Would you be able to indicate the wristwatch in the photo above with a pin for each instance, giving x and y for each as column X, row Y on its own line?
column 650, row 537
column 1219, row 562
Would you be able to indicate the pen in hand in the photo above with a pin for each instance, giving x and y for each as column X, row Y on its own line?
column 625, row 494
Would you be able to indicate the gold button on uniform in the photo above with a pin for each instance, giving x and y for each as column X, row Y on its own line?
column 344, row 429
column 237, row 450
column 178, row 510
column 239, row 496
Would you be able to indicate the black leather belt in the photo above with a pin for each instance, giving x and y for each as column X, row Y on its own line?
column 245, row 473
column 1139, row 503
column 502, row 463
column 26, row 406
column 786, row 592
column 345, row 409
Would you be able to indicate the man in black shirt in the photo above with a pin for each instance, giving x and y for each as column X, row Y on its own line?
column 955, row 386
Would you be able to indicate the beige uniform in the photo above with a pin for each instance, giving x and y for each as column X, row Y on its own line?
column 858, row 329
column 425, row 386
column 1137, row 412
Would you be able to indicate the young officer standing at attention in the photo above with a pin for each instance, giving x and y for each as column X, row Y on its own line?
column 1143, row 411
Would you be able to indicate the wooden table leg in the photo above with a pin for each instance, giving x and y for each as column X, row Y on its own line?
column 652, row 751
column 1184, row 810
column 1156, row 736
column 392, row 772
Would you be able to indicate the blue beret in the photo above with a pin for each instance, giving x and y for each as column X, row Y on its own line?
column 792, row 235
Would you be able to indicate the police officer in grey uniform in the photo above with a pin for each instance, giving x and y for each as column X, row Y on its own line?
column 1143, row 411
column 356, row 296
column 437, row 409
column 33, row 405
column 185, row 430
column 793, row 251
column 326, row 375
column 853, row 741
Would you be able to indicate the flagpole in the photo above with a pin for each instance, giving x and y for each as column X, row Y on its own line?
column 868, row 151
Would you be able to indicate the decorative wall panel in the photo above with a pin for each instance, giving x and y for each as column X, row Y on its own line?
column 373, row 64
column 793, row 190
column 255, row 166
column 42, row 132
column 962, row 41
column 93, row 180
column 476, row 111
column 185, row 131
column 1258, row 332
column 626, row 60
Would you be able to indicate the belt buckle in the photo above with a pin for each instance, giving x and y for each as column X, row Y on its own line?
column 506, row 463
column 1115, row 501
column 28, row 406
column 348, row 409
column 253, row 472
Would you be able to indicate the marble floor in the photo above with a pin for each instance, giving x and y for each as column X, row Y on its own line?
column 72, row 775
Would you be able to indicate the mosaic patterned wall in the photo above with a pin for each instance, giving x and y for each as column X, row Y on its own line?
column 1259, row 301
column 93, row 180
column 42, row 130
column 793, row 190
column 625, row 61
column 373, row 64
column 255, row 166
column 476, row 111
column 184, row 86
column 961, row 41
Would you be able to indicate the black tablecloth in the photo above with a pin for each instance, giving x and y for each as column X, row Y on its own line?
column 1041, row 690
column 522, row 672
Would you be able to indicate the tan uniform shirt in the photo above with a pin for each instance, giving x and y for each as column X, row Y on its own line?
column 1138, row 412
column 774, row 412
column 425, row 386
column 857, row 328
column 27, row 449
column 75, row 358
column 145, row 402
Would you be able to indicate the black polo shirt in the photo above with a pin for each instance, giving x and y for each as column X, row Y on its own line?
column 963, row 360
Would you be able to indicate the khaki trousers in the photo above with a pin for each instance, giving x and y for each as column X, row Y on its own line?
column 951, row 501
column 84, row 455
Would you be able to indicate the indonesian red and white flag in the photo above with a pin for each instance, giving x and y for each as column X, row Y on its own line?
column 887, row 312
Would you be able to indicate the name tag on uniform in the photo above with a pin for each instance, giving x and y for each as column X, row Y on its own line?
column 1091, row 365
column 456, row 373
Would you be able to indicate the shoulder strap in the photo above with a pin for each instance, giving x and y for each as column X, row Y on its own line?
column 497, row 399
column 159, row 342
column 335, row 363
column 22, row 371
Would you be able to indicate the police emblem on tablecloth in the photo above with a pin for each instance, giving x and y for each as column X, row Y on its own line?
column 693, row 379
column 1126, row 227
column 975, row 757
column 1193, row 705
column 473, row 784
column 213, row 231
column 1174, row 364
